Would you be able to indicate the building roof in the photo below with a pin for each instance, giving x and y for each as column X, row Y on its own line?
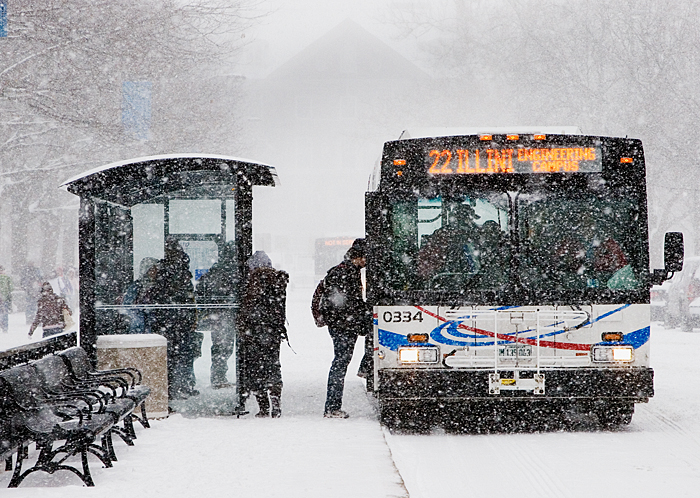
column 348, row 51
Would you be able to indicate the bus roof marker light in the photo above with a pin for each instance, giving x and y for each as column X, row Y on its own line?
column 485, row 137
column 539, row 137
column 626, row 160
column 513, row 137
column 399, row 162
column 399, row 173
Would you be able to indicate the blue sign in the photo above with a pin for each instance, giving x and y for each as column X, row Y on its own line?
column 3, row 19
column 136, row 108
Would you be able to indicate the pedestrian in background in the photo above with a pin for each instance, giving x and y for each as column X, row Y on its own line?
column 30, row 281
column 347, row 316
column 6, row 289
column 49, row 314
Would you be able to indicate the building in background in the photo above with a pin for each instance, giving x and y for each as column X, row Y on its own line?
column 321, row 118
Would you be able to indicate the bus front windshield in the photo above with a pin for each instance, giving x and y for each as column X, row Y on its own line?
column 497, row 241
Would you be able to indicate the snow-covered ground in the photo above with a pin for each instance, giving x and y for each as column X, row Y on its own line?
column 658, row 454
column 302, row 454
column 198, row 453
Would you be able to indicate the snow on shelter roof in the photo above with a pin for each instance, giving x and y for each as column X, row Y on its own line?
column 132, row 181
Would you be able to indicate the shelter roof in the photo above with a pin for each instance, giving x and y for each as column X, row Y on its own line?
column 137, row 180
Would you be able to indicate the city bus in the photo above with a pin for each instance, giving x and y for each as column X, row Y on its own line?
column 510, row 271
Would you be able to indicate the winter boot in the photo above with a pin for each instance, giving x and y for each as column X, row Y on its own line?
column 276, row 400
column 263, row 403
column 276, row 406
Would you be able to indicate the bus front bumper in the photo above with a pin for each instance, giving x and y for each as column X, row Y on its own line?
column 633, row 384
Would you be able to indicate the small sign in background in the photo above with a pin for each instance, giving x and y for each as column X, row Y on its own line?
column 136, row 108
column 3, row 19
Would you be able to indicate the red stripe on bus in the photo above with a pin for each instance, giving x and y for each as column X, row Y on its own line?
column 523, row 340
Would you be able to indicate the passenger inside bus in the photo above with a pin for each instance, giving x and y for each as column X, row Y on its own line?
column 463, row 253
column 451, row 249
column 601, row 264
column 612, row 266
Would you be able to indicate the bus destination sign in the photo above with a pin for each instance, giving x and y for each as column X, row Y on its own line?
column 555, row 159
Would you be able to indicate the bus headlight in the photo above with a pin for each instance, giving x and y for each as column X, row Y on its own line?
column 613, row 354
column 418, row 355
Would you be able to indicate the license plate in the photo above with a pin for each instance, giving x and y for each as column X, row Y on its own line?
column 515, row 351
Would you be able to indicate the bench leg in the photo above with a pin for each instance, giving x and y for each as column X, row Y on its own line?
column 129, row 426
column 143, row 419
column 86, row 477
column 122, row 434
column 45, row 463
column 21, row 455
column 108, row 447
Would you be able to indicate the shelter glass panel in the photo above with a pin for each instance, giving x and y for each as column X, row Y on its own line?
column 149, row 233
column 203, row 254
column 194, row 216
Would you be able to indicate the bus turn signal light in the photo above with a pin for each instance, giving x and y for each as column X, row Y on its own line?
column 417, row 337
column 612, row 336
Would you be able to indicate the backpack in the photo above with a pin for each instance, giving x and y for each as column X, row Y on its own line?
column 316, row 304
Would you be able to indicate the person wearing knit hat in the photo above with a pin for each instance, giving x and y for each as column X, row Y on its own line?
column 261, row 329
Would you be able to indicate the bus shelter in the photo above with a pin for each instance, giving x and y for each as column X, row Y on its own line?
column 130, row 210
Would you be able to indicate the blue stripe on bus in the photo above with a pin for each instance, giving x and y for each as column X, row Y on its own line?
column 392, row 340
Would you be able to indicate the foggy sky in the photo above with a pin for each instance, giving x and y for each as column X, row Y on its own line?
column 286, row 28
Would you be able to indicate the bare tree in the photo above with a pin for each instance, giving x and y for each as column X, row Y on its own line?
column 619, row 67
column 64, row 68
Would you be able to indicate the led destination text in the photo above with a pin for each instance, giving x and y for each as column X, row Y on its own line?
column 539, row 160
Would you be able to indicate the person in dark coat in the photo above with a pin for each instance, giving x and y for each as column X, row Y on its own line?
column 220, row 286
column 31, row 284
column 348, row 317
column 138, row 318
column 261, row 325
column 49, row 313
column 173, row 286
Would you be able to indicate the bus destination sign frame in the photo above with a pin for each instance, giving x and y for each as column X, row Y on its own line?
column 543, row 159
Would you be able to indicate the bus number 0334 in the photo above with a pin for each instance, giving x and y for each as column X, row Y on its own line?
column 402, row 316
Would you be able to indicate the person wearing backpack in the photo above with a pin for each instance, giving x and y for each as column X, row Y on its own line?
column 347, row 316
column 261, row 326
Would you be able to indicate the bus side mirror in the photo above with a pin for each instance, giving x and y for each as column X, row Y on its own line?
column 673, row 258
column 673, row 252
